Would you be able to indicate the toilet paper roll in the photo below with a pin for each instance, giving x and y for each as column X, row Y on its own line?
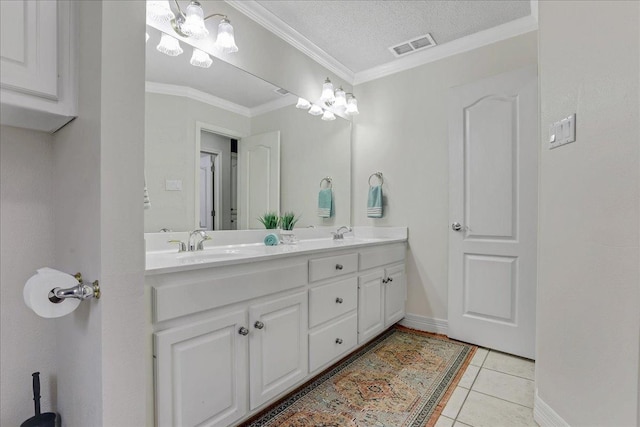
column 36, row 293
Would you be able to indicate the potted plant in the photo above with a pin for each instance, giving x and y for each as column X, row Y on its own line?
column 287, row 222
column 270, row 220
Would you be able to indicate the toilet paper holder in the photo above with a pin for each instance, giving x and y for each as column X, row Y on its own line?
column 81, row 291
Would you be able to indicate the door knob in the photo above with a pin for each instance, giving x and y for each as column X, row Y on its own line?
column 456, row 226
column 258, row 325
column 243, row 331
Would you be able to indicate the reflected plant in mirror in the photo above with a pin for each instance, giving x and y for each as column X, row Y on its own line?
column 222, row 147
column 270, row 220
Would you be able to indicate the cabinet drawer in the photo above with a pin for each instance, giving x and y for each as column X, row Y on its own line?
column 333, row 266
column 330, row 301
column 382, row 255
column 332, row 341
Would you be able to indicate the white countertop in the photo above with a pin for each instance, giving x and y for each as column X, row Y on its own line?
column 162, row 260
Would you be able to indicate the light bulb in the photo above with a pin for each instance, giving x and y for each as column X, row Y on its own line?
column 169, row 45
column 327, row 92
column 315, row 110
column 226, row 42
column 352, row 106
column 341, row 98
column 159, row 11
column 193, row 25
column 328, row 115
column 200, row 59
column 303, row 104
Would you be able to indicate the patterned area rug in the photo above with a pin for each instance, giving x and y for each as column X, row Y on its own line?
column 401, row 379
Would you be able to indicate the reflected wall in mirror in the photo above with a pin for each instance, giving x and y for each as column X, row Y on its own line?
column 222, row 146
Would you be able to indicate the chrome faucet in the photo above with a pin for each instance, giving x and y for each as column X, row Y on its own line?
column 339, row 234
column 192, row 245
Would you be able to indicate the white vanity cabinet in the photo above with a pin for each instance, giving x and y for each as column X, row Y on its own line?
column 381, row 291
column 37, row 69
column 201, row 372
column 277, row 346
column 231, row 339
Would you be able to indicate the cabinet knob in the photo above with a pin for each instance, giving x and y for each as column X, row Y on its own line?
column 243, row 331
column 384, row 280
column 339, row 267
column 339, row 300
column 258, row 325
column 390, row 279
column 338, row 340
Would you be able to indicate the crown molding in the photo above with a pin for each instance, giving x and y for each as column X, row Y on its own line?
column 272, row 23
column 196, row 95
column 463, row 44
column 276, row 104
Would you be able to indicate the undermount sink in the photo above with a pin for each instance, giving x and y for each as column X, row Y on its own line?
column 217, row 253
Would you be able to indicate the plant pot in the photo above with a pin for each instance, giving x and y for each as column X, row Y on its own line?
column 287, row 237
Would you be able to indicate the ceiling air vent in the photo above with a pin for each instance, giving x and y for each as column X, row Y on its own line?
column 281, row 92
column 414, row 45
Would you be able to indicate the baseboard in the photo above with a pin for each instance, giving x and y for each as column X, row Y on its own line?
column 423, row 323
column 544, row 415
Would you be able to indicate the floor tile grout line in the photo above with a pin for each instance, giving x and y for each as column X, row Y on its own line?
column 507, row 373
column 499, row 398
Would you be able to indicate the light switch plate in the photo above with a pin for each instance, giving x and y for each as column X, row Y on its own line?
column 173, row 185
column 562, row 132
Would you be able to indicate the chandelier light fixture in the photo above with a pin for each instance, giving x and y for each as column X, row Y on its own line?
column 331, row 101
column 190, row 23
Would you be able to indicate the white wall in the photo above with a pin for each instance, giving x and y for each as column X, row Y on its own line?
column 170, row 123
column 310, row 149
column 26, row 230
column 588, row 291
column 402, row 131
column 98, row 181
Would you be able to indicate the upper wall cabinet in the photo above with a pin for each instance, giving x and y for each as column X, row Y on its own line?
column 37, row 64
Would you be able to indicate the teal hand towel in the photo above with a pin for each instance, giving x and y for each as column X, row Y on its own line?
column 325, row 203
column 271, row 240
column 374, row 202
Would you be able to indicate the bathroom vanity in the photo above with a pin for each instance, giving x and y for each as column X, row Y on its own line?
column 235, row 327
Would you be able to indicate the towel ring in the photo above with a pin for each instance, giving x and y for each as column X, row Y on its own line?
column 329, row 182
column 377, row 174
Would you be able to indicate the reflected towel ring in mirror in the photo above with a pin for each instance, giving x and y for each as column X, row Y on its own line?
column 328, row 180
column 376, row 174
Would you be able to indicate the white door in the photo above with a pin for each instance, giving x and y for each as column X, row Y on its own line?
column 493, row 154
column 201, row 373
column 370, row 305
column 258, row 178
column 234, row 191
column 206, row 191
column 278, row 343
column 395, row 294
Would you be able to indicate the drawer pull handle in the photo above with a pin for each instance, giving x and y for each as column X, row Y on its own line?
column 243, row 331
column 339, row 267
column 258, row 325
column 339, row 300
column 338, row 340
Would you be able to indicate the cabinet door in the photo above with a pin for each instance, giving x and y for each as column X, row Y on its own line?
column 28, row 51
column 201, row 376
column 395, row 295
column 278, row 346
column 370, row 305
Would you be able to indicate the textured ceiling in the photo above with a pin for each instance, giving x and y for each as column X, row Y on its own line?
column 359, row 33
column 221, row 79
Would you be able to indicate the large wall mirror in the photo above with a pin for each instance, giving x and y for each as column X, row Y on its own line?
column 223, row 146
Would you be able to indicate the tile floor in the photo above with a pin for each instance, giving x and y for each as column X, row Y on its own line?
column 496, row 390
